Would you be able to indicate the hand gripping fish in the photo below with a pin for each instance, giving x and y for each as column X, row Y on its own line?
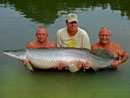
column 46, row 58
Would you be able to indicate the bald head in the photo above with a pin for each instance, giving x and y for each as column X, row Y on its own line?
column 41, row 29
column 104, row 35
column 105, row 29
column 41, row 34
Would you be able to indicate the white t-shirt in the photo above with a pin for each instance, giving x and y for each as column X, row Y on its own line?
column 80, row 40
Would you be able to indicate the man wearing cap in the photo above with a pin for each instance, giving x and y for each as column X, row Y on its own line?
column 72, row 35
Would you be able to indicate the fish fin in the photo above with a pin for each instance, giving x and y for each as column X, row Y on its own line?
column 29, row 66
column 95, row 69
column 103, row 53
column 73, row 68
column 109, row 67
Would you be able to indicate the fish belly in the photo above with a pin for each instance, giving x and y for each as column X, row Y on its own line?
column 50, row 63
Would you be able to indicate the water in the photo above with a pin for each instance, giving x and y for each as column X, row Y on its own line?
column 19, row 20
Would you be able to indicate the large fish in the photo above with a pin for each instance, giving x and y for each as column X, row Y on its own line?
column 45, row 58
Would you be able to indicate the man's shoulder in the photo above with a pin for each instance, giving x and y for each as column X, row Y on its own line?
column 117, row 46
column 114, row 44
column 95, row 46
column 50, row 44
column 47, row 41
column 62, row 30
column 82, row 32
column 31, row 44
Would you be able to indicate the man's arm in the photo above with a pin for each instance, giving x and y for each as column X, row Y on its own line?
column 58, row 40
column 124, row 57
column 25, row 61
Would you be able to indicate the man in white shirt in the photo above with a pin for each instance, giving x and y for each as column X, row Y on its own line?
column 73, row 36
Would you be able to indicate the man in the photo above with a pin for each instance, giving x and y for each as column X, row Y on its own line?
column 104, row 43
column 72, row 35
column 41, row 42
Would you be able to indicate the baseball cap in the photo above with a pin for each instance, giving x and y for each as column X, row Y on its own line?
column 72, row 17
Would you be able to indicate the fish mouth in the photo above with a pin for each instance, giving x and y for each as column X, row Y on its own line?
column 6, row 52
column 18, row 54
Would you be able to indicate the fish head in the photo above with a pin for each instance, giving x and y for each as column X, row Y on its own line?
column 18, row 54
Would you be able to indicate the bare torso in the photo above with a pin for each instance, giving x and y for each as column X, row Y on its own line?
column 113, row 47
column 36, row 44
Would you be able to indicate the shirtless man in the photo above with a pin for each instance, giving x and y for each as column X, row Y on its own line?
column 41, row 42
column 104, row 43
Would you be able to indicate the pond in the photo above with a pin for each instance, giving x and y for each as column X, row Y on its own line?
column 19, row 20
